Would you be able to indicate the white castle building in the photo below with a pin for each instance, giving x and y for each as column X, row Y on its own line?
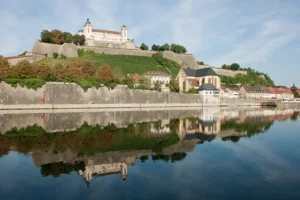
column 94, row 36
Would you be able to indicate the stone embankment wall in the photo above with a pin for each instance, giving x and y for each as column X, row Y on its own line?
column 31, row 58
column 66, row 94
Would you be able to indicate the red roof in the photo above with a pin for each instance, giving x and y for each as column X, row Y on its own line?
column 273, row 90
column 106, row 31
column 193, row 82
column 152, row 73
column 136, row 76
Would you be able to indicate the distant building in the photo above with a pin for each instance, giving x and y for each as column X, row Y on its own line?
column 161, row 77
column 194, row 78
column 229, row 93
column 209, row 93
column 103, row 36
column 254, row 92
column 281, row 93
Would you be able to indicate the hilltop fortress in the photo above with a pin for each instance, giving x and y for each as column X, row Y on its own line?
column 110, row 42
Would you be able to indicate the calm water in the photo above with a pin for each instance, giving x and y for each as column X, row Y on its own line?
column 187, row 154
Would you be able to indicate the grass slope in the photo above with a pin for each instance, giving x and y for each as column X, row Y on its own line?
column 124, row 63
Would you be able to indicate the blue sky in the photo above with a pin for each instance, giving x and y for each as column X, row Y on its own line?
column 264, row 35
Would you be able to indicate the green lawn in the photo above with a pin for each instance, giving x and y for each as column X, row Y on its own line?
column 124, row 63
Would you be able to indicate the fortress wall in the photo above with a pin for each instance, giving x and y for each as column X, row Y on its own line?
column 223, row 72
column 57, row 93
column 189, row 59
column 118, row 51
column 68, row 50
column 31, row 58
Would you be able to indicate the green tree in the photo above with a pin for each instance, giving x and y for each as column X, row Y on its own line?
column 144, row 46
column 68, row 37
column 46, row 36
column 193, row 91
column 155, row 47
column 174, row 85
column 55, row 55
column 224, row 66
column 165, row 47
column 144, row 83
column 5, row 70
column 234, row 66
column 57, row 37
column 79, row 39
column 60, row 72
column 200, row 62
column 157, row 86
column 176, row 48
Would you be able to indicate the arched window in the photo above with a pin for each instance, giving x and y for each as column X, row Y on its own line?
column 203, row 80
column 209, row 80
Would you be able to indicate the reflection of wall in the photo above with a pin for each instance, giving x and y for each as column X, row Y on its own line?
column 103, row 169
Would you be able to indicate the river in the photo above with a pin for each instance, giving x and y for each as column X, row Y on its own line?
column 210, row 153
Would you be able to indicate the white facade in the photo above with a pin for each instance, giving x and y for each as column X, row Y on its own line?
column 161, row 77
column 104, row 36
column 210, row 96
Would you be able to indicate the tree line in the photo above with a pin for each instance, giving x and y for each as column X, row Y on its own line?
column 176, row 48
column 57, row 37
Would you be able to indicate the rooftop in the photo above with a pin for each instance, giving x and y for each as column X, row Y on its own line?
column 207, row 86
column 153, row 73
column 200, row 72
column 256, row 89
column 106, row 31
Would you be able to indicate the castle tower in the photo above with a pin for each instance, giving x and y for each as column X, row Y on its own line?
column 87, row 30
column 124, row 33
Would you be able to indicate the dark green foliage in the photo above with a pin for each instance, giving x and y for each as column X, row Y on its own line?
column 155, row 47
column 46, row 36
column 130, row 82
column 170, row 64
column 252, row 78
column 23, row 54
column 57, row 169
column 55, row 55
column 193, row 91
column 174, row 85
column 157, row 86
column 165, row 47
column 176, row 48
column 33, row 83
column 200, row 62
column 62, row 56
column 68, row 37
column 79, row 39
column 144, row 46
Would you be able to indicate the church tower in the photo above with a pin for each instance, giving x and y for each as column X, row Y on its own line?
column 87, row 30
column 124, row 34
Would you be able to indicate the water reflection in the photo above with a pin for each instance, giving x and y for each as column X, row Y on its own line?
column 95, row 144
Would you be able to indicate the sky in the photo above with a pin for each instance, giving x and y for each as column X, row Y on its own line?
column 263, row 35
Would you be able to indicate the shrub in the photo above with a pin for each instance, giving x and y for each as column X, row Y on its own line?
column 59, row 72
column 5, row 70
column 43, row 71
column 23, row 69
column 74, row 70
column 193, row 91
column 55, row 55
column 62, row 56
column 88, row 69
column 105, row 74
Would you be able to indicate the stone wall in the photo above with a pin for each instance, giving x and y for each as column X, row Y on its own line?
column 31, row 58
column 68, row 50
column 70, row 93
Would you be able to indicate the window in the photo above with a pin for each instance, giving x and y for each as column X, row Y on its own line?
column 209, row 80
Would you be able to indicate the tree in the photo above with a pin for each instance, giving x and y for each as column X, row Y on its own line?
column 144, row 83
column 88, row 69
column 79, row 39
column 23, row 69
column 46, row 36
column 234, row 66
column 174, row 85
column 57, row 37
column 104, row 73
column 60, row 72
column 165, row 47
column 68, row 37
column 200, row 62
column 176, row 48
column 5, row 69
column 74, row 70
column 43, row 71
column 157, row 86
column 193, row 91
column 155, row 47
column 224, row 66
column 144, row 46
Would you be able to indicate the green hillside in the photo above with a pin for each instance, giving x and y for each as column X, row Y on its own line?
column 124, row 63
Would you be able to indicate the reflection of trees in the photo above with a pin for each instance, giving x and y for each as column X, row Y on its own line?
column 87, row 140
column 173, row 157
column 56, row 169
column 294, row 117
column 250, row 128
column 144, row 158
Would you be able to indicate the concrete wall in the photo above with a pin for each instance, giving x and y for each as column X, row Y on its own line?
column 70, row 93
column 68, row 50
